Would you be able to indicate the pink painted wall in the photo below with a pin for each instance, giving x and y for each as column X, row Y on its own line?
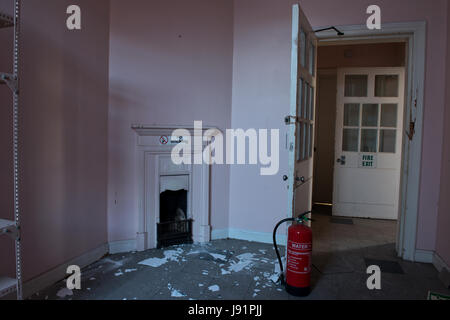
column 443, row 226
column 170, row 63
column 261, row 80
column 226, row 63
column 64, row 92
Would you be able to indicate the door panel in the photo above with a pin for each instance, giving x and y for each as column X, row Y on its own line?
column 369, row 124
column 302, row 111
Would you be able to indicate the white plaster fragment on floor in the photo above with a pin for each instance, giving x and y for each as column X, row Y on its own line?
column 214, row 288
column 224, row 272
column 274, row 278
column 169, row 255
column 245, row 262
column 175, row 293
column 64, row 292
column 218, row 256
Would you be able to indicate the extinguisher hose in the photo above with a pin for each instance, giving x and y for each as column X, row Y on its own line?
column 299, row 219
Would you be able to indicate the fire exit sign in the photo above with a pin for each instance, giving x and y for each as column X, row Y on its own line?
column 368, row 161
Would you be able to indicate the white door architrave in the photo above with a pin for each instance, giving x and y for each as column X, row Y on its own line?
column 415, row 35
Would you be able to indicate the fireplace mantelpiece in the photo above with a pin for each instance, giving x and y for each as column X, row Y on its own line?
column 153, row 162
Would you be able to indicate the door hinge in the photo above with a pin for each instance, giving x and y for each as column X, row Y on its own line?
column 11, row 82
column 412, row 130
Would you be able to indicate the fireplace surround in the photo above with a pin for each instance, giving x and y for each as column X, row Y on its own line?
column 157, row 174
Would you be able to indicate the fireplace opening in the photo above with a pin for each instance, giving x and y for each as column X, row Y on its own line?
column 174, row 228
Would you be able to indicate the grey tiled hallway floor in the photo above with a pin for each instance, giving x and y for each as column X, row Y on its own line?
column 241, row 270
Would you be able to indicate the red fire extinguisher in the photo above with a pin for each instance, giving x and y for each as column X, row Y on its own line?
column 298, row 260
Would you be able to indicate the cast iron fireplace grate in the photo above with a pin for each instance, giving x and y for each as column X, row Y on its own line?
column 174, row 233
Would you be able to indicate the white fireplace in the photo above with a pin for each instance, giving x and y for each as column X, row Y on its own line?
column 156, row 174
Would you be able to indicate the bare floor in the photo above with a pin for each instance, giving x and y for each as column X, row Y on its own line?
column 241, row 270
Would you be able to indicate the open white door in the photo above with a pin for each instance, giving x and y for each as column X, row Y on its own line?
column 301, row 118
column 369, row 123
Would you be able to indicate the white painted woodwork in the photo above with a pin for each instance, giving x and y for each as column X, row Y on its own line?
column 303, row 71
column 368, row 191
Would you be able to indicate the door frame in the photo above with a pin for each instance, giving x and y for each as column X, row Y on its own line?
column 414, row 34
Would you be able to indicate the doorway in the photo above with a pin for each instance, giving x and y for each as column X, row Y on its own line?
column 358, row 143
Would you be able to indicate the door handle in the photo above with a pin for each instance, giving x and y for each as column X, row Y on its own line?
column 341, row 160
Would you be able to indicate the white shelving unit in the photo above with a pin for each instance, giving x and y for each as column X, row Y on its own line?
column 11, row 228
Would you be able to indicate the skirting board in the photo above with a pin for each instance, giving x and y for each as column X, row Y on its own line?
column 439, row 263
column 59, row 273
column 122, row 246
column 219, row 234
column 262, row 237
column 424, row 256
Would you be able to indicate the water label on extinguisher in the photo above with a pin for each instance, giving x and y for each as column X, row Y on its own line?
column 299, row 257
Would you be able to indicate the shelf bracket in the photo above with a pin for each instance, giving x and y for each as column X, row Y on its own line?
column 13, row 233
column 288, row 120
column 11, row 81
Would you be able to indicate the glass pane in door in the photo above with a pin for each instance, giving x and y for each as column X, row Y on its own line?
column 370, row 115
column 303, row 48
column 312, row 99
column 306, row 111
column 312, row 58
column 356, row 85
column 369, row 139
column 299, row 140
column 388, row 140
column 386, row 86
column 350, row 140
column 351, row 115
column 389, row 115
column 300, row 97
column 305, row 141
